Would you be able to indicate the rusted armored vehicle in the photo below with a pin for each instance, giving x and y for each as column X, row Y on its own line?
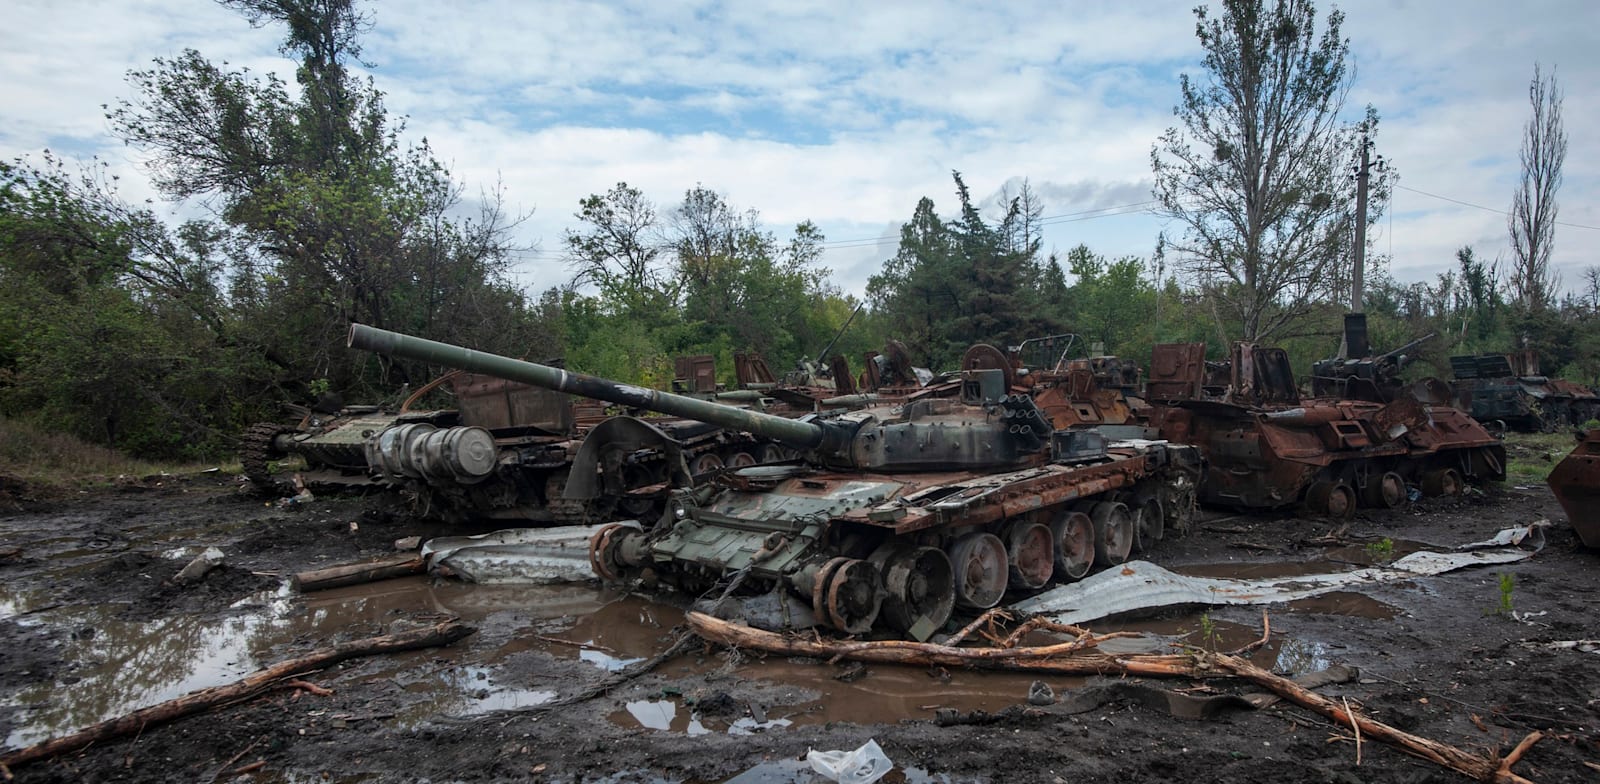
column 897, row 514
column 1509, row 388
column 505, row 452
column 1576, row 484
column 1072, row 391
column 1266, row 447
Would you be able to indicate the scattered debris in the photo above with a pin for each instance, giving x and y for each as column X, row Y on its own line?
column 357, row 573
column 1141, row 585
column 529, row 556
column 1528, row 537
column 408, row 543
column 862, row 766
column 210, row 559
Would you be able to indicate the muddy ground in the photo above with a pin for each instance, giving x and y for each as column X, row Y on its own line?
column 91, row 629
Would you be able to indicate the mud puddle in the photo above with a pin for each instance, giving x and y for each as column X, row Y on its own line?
column 112, row 666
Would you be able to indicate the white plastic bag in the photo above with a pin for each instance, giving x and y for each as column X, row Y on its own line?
column 862, row 766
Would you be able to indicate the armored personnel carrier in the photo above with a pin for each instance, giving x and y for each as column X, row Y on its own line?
column 897, row 514
column 1363, row 445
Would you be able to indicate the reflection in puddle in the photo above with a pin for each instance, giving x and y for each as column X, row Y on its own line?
column 112, row 666
column 606, row 661
column 1302, row 656
column 663, row 715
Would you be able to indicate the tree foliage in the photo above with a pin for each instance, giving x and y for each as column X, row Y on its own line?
column 1255, row 174
column 332, row 218
column 963, row 281
column 1533, row 208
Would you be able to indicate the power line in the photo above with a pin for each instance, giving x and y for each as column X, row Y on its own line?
column 1501, row 213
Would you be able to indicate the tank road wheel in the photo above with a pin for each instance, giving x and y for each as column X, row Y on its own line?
column 771, row 453
column 1385, row 492
column 1031, row 556
column 636, row 506
column 741, row 459
column 1443, row 481
column 1114, row 532
column 1073, row 534
column 1152, row 521
column 921, row 590
column 853, row 596
column 705, row 463
column 1332, row 499
column 980, row 570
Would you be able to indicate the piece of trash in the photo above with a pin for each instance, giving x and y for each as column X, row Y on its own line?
column 862, row 766
column 408, row 543
column 202, row 563
column 1529, row 537
column 1040, row 693
column 1141, row 585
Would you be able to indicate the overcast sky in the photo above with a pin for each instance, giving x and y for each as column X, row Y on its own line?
column 846, row 113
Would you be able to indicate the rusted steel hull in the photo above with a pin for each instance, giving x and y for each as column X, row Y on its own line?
column 1265, row 447
column 1576, row 484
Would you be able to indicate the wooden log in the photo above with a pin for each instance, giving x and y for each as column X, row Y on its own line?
column 250, row 686
column 358, row 573
column 1068, row 658
column 1478, row 767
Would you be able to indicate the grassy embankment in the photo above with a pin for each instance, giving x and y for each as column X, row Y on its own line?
column 1531, row 456
column 46, row 463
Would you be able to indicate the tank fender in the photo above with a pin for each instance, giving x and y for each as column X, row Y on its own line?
column 628, row 434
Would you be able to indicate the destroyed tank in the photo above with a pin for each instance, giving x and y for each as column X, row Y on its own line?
column 1266, row 447
column 505, row 452
column 896, row 515
column 1509, row 388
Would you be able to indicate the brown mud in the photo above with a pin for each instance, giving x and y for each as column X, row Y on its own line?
column 93, row 628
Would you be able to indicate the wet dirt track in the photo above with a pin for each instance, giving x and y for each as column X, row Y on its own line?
column 92, row 631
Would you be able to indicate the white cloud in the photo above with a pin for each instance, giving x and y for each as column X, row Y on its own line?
column 846, row 113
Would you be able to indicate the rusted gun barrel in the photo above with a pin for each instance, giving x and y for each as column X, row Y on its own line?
column 823, row 437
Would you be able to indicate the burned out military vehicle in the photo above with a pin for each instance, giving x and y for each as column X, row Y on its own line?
column 897, row 514
column 506, row 451
column 1267, row 447
column 1509, row 388
column 1575, row 481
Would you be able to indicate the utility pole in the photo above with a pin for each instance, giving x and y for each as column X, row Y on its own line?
column 1363, row 174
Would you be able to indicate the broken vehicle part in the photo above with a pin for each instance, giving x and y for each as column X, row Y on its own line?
column 1576, row 484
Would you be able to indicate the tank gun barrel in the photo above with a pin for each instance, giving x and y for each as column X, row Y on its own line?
column 803, row 435
column 1407, row 347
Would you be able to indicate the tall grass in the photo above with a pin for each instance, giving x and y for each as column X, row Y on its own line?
column 47, row 461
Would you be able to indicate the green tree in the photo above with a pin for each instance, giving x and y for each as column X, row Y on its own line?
column 110, row 327
column 332, row 218
column 1255, row 175
column 1533, row 209
column 952, row 284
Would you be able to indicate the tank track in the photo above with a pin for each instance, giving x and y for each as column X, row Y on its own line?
column 256, row 452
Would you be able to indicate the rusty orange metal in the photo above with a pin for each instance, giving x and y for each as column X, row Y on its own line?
column 1576, row 484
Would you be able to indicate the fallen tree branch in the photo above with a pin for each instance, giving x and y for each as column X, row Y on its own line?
column 250, row 686
column 1072, row 658
column 1038, row 658
column 1480, row 768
